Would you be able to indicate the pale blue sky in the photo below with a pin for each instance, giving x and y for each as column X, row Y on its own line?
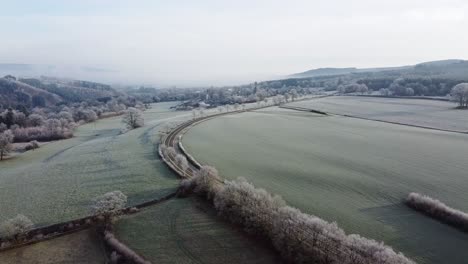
column 222, row 42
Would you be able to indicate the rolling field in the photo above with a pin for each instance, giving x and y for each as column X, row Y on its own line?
column 427, row 113
column 81, row 247
column 355, row 172
column 188, row 231
column 59, row 181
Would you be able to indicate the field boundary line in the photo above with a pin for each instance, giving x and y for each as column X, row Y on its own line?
column 303, row 109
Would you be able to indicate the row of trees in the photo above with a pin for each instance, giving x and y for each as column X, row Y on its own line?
column 438, row 210
column 299, row 237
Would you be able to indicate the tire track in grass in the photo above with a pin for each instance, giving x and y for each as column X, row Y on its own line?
column 179, row 239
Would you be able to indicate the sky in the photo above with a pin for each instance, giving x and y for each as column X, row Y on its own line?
column 218, row 42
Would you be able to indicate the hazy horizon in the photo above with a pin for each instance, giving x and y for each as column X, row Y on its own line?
column 220, row 43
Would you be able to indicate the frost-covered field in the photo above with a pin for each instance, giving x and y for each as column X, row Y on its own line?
column 428, row 113
column 59, row 181
column 188, row 231
column 81, row 247
column 352, row 171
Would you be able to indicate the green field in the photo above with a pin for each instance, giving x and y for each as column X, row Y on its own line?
column 428, row 113
column 59, row 181
column 188, row 231
column 81, row 247
column 351, row 171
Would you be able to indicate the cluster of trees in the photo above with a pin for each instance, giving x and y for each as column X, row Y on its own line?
column 438, row 210
column 45, row 124
column 411, row 85
column 353, row 88
column 299, row 237
column 217, row 96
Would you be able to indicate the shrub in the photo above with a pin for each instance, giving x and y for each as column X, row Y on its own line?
column 15, row 226
column 32, row 145
column 438, row 210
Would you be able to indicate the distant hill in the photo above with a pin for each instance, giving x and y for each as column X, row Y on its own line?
column 432, row 67
column 46, row 91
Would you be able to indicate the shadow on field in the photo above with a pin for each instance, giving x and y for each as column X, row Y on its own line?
column 422, row 235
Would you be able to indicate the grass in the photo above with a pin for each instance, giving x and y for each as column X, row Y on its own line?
column 81, row 247
column 351, row 171
column 59, row 181
column 188, row 231
column 428, row 113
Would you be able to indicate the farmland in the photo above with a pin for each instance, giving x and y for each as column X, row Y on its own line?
column 188, row 231
column 355, row 172
column 427, row 113
column 80, row 247
column 59, row 181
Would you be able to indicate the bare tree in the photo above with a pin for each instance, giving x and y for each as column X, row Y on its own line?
column 6, row 138
column 133, row 118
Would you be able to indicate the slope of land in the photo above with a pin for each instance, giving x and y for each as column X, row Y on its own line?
column 442, row 66
column 427, row 113
column 81, row 247
column 59, row 181
column 188, row 231
column 352, row 171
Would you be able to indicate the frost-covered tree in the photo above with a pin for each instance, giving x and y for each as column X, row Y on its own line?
column 206, row 183
column 362, row 89
column 181, row 161
column 6, row 138
column 35, row 120
column 109, row 204
column 15, row 226
column 384, row 92
column 170, row 152
column 3, row 127
column 459, row 94
column 133, row 118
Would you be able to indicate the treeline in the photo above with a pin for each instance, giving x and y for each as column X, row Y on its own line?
column 72, row 90
column 408, row 86
column 438, row 210
column 45, row 124
column 217, row 96
column 299, row 237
